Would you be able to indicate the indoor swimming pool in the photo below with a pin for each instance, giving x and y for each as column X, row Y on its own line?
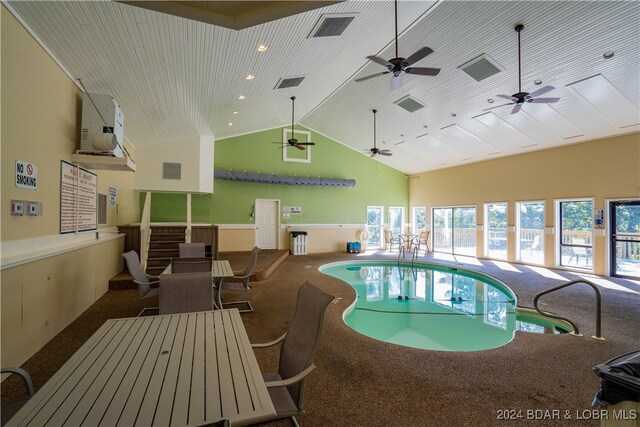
column 434, row 307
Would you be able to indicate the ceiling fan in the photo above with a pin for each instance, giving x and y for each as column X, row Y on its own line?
column 399, row 65
column 375, row 150
column 293, row 142
column 517, row 99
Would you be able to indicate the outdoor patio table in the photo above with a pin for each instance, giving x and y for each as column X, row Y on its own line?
column 172, row 370
column 220, row 268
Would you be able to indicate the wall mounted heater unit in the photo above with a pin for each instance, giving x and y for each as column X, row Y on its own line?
column 102, row 122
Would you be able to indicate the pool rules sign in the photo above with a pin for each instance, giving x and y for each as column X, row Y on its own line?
column 26, row 175
column 78, row 199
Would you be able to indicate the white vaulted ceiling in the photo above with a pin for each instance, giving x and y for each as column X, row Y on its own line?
column 176, row 78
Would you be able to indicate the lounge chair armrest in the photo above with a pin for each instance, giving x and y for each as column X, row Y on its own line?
column 25, row 376
column 292, row 380
column 270, row 343
column 150, row 276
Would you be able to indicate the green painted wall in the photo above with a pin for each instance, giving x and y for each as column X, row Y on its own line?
column 231, row 203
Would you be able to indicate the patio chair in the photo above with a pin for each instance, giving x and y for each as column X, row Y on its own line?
column 389, row 240
column 9, row 409
column 242, row 285
column 190, row 265
column 577, row 252
column 299, row 345
column 191, row 250
column 535, row 244
column 142, row 279
column 185, row 292
column 423, row 239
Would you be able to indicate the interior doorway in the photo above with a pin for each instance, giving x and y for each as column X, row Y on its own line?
column 267, row 223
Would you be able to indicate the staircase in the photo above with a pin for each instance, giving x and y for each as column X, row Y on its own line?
column 162, row 247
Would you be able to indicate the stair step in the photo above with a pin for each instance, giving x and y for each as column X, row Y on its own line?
column 164, row 245
column 155, row 271
column 168, row 237
column 158, row 262
column 163, row 253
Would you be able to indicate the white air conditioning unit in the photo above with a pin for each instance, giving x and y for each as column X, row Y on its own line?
column 102, row 122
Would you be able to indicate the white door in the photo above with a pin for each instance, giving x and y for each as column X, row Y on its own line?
column 267, row 223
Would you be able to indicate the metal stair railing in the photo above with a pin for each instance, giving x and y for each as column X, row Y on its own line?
column 576, row 332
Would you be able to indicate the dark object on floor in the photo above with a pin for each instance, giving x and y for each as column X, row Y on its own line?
column 9, row 409
column 354, row 247
column 619, row 380
column 300, row 342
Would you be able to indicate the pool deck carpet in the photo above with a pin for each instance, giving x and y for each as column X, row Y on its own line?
column 363, row 382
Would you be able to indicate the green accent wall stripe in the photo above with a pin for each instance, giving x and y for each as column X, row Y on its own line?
column 231, row 202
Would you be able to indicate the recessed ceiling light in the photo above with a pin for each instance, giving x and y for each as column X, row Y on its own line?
column 490, row 101
column 262, row 48
column 236, row 112
column 537, row 82
column 241, row 97
column 230, row 123
column 453, row 114
column 251, row 77
column 608, row 54
column 425, row 126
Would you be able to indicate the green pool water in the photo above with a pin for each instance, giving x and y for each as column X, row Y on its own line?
column 432, row 307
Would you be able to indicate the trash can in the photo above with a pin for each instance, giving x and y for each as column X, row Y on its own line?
column 619, row 389
column 298, row 243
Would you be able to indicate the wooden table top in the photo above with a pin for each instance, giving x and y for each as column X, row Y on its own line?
column 181, row 369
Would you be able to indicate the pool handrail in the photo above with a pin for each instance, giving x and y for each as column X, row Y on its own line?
column 576, row 332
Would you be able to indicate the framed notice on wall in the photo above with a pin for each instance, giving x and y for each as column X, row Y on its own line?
column 78, row 199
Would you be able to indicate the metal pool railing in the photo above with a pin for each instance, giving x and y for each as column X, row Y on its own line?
column 598, row 335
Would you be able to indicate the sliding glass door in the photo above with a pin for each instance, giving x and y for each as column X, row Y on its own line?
column 624, row 222
column 454, row 230
column 530, row 232
column 396, row 220
column 495, row 219
column 375, row 219
column 575, row 240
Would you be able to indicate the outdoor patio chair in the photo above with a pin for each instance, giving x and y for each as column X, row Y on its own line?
column 423, row 239
column 191, row 250
column 142, row 279
column 185, row 292
column 390, row 240
column 535, row 244
column 9, row 409
column 244, row 284
column 299, row 346
column 577, row 252
column 190, row 265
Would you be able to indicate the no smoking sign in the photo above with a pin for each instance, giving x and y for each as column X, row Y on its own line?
column 26, row 175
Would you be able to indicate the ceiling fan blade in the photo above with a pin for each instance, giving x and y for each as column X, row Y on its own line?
column 498, row 106
column 373, row 154
column 541, row 91
column 418, row 55
column 306, row 143
column 509, row 97
column 396, row 82
column 384, row 150
column 423, row 71
column 386, row 153
column 544, row 100
column 298, row 146
column 361, row 79
column 379, row 60
column 516, row 108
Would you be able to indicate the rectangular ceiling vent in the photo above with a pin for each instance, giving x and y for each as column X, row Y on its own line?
column 481, row 67
column 331, row 25
column 409, row 103
column 286, row 82
column 171, row 170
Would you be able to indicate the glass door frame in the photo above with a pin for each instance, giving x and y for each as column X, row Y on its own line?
column 558, row 235
column 453, row 247
column 610, row 235
column 381, row 226
column 486, row 230
column 518, row 226
column 414, row 229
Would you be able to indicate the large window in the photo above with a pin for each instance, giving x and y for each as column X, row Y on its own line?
column 624, row 217
column 375, row 219
column 454, row 230
column 418, row 219
column 495, row 233
column 575, row 240
column 530, row 232
column 396, row 220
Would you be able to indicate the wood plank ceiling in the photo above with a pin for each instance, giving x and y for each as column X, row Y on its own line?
column 176, row 78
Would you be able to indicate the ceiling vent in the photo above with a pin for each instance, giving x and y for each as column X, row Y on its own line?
column 286, row 82
column 331, row 25
column 409, row 103
column 171, row 170
column 481, row 67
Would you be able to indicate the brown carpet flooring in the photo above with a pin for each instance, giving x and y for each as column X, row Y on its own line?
column 363, row 382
